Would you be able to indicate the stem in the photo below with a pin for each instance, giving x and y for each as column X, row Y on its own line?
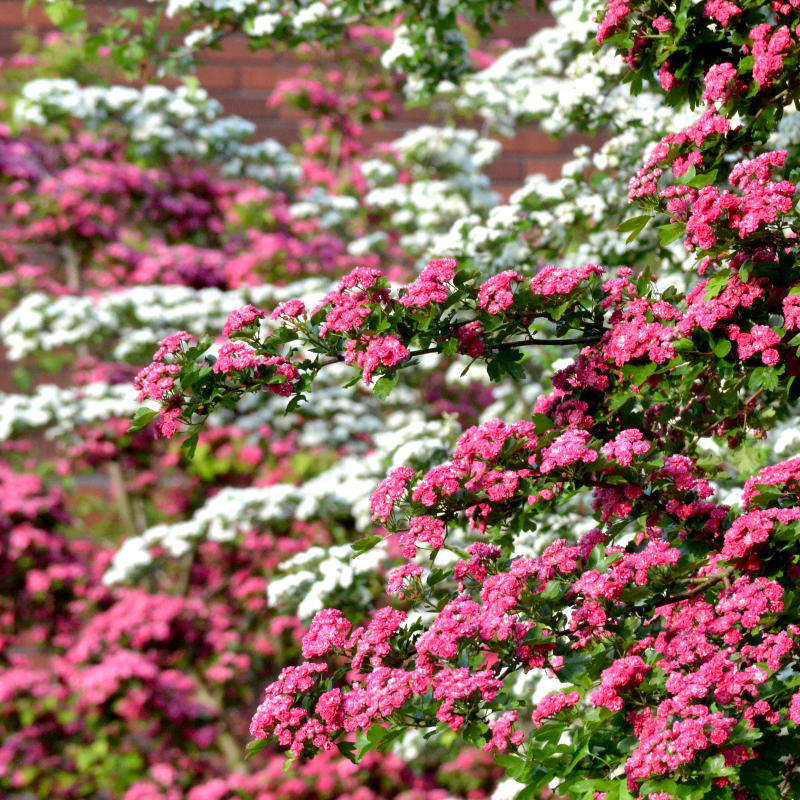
column 231, row 750
column 72, row 272
column 722, row 575
column 120, row 489
column 498, row 347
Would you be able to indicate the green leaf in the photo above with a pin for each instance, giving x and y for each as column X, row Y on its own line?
column 365, row 544
column 141, row 418
column 634, row 226
column 542, row 423
column 667, row 234
column 65, row 14
column 688, row 176
column 348, row 750
column 506, row 362
column 763, row 378
column 703, row 179
column 255, row 746
column 385, row 384
column 716, row 284
column 721, row 347
column 190, row 445
column 639, row 373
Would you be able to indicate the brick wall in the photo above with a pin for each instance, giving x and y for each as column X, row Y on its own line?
column 242, row 80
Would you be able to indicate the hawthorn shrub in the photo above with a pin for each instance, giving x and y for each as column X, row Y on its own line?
column 535, row 504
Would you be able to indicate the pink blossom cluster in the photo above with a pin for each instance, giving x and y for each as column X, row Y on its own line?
column 378, row 351
column 769, row 50
column 791, row 312
column 785, row 474
column 241, row 318
column 353, row 301
column 503, row 734
column 614, row 15
column 551, row 704
column 720, row 83
column 156, row 381
column 382, row 501
column 760, row 203
column 288, row 309
column 236, row 356
column 562, row 280
column 423, row 529
column 760, row 339
column 662, row 24
column 640, row 332
column 569, row 448
column 630, row 568
column 469, row 339
column 645, row 181
column 721, row 10
column 328, row 631
column 431, row 285
column 708, row 312
column 395, row 581
column 495, row 294
column 624, row 673
column 627, row 444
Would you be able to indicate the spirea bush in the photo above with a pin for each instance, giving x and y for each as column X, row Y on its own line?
column 512, row 486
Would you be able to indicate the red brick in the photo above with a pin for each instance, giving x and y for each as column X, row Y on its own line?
column 247, row 107
column 14, row 14
column 551, row 167
column 505, row 169
column 520, row 27
column 265, row 76
column 532, row 141
column 232, row 48
column 217, row 76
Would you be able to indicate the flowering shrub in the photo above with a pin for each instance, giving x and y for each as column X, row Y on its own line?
column 534, row 505
column 670, row 625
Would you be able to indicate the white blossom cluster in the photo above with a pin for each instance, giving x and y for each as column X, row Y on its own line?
column 177, row 122
column 58, row 411
column 447, row 183
column 427, row 44
column 327, row 210
column 547, row 79
column 340, row 492
column 553, row 81
column 311, row 580
column 134, row 319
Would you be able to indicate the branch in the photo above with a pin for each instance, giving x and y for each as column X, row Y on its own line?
column 699, row 589
column 498, row 347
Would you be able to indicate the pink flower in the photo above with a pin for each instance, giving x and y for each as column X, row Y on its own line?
column 502, row 735
column 495, row 294
column 615, row 14
column 625, row 446
column 718, row 82
column 236, row 356
column 240, row 318
column 289, row 309
column 562, row 280
column 389, row 491
column 423, row 529
column 431, row 285
column 721, row 10
column 567, row 449
column 386, row 351
column 551, row 704
column 397, row 577
column 328, row 631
